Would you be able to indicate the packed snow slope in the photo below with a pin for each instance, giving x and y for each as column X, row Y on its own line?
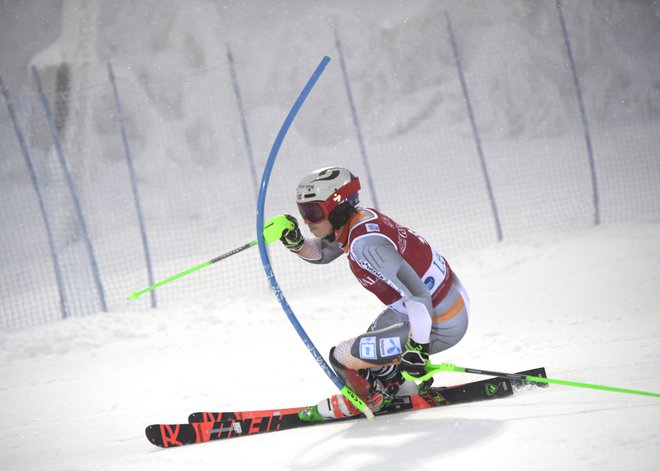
column 77, row 394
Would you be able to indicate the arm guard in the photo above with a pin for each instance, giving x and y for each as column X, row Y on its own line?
column 319, row 251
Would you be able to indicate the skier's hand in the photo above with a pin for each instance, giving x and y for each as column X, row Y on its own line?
column 414, row 359
column 292, row 238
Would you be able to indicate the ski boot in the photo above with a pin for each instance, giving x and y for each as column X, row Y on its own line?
column 339, row 406
column 384, row 384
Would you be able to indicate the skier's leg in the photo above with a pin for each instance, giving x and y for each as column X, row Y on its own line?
column 376, row 353
column 380, row 346
column 389, row 375
column 450, row 319
column 353, row 361
column 359, row 382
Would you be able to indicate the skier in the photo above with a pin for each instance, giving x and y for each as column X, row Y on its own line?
column 427, row 306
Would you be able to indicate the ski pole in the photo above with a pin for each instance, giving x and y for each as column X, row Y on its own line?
column 272, row 232
column 433, row 369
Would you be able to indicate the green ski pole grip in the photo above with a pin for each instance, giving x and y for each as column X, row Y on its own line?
column 275, row 226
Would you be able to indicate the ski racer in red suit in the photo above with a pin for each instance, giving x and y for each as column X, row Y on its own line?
column 427, row 307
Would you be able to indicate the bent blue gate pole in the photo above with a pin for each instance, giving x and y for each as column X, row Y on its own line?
column 262, row 244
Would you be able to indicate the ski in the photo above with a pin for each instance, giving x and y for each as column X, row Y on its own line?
column 453, row 392
column 210, row 426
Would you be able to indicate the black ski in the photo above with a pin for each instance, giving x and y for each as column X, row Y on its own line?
column 209, row 426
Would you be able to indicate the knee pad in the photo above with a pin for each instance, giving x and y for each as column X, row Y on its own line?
column 381, row 347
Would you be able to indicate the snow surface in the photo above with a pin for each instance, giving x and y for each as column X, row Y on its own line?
column 77, row 394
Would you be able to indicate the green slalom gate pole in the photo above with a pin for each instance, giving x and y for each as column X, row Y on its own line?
column 433, row 369
column 272, row 231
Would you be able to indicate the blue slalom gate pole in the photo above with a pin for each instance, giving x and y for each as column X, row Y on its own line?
column 96, row 274
column 57, row 265
column 354, row 398
column 133, row 181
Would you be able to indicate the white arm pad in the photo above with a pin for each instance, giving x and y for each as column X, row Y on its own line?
column 420, row 321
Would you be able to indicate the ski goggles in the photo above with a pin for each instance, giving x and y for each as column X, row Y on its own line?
column 315, row 211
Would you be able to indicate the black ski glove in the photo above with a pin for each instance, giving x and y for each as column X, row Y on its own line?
column 414, row 359
column 292, row 238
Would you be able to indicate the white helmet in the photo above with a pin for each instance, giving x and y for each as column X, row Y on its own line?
column 330, row 193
